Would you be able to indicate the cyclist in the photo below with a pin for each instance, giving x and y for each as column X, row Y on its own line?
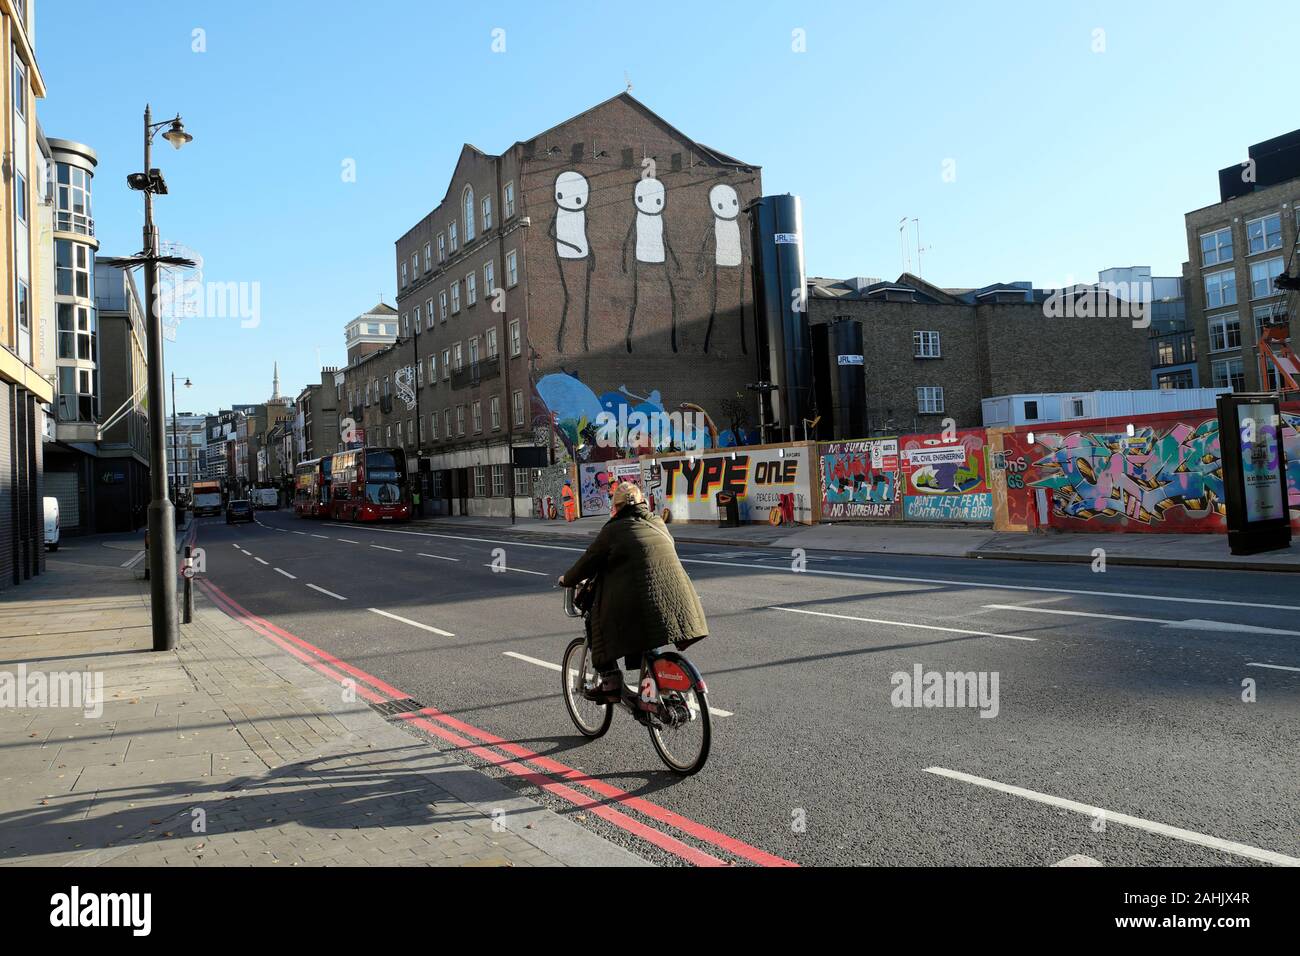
column 643, row 598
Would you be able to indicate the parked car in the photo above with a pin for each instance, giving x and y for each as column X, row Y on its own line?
column 239, row 509
column 52, row 524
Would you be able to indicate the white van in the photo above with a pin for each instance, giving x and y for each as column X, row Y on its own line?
column 52, row 523
column 265, row 497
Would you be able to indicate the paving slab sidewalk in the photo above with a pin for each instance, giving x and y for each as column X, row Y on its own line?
column 1160, row 550
column 229, row 752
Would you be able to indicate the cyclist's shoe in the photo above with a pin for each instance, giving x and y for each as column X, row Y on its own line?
column 608, row 691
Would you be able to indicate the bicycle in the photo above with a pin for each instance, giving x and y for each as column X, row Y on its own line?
column 670, row 699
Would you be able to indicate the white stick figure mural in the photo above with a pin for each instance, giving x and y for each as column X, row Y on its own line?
column 727, row 252
column 569, row 230
column 651, row 248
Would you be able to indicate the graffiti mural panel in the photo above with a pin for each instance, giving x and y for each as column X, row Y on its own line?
column 1158, row 476
column 597, row 478
column 1165, row 477
column 945, row 478
column 769, row 482
column 860, row 479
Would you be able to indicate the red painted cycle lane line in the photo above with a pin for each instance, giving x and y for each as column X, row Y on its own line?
column 329, row 658
column 250, row 621
column 652, row 810
column 580, row 801
column 298, row 646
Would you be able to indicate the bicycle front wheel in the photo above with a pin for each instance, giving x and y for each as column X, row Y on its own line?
column 577, row 673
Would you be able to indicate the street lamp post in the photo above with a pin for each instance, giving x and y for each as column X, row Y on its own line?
column 162, row 521
column 176, row 457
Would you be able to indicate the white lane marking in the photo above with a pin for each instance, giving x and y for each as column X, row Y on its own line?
column 438, row 556
column 925, row 627
column 1110, row 816
column 348, row 541
column 1276, row 667
column 992, row 586
column 407, row 620
column 461, row 537
column 234, row 545
column 249, row 553
column 322, row 536
column 1079, row 859
column 715, row 711
column 532, row 660
column 300, row 532
column 132, row 562
column 1191, row 624
column 520, row 570
column 380, row 547
column 291, row 577
column 337, row 597
column 261, row 561
column 1196, row 624
column 1046, row 610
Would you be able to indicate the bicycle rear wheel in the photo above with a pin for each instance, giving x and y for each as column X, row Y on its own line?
column 682, row 731
column 576, row 671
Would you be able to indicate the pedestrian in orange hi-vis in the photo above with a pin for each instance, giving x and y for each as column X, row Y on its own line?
column 570, row 505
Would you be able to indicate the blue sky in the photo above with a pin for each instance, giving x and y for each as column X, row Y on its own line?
column 1066, row 160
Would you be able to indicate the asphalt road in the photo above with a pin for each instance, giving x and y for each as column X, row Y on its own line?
column 1119, row 731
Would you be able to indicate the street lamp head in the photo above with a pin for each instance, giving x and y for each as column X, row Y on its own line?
column 176, row 134
column 188, row 383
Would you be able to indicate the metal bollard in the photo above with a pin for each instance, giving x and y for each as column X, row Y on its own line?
column 146, row 555
column 188, row 573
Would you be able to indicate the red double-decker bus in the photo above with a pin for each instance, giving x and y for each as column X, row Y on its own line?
column 311, row 488
column 369, row 484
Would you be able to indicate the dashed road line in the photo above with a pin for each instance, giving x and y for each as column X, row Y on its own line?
column 440, row 557
column 1191, row 624
column 1151, row 826
column 407, row 620
column 261, row 561
column 380, row 547
column 323, row 537
column 924, row 627
column 337, row 597
column 347, row 540
column 1276, row 667
column 291, row 577
column 132, row 562
column 520, row 570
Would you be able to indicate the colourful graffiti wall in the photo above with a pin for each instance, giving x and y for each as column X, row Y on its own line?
column 860, row 479
column 595, row 480
column 1165, row 477
column 627, row 422
column 763, row 478
column 945, row 478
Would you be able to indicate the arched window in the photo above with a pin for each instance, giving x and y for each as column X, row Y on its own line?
column 469, row 213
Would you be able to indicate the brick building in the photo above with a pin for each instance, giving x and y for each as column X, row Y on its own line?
column 1236, row 250
column 932, row 353
column 316, row 419
column 602, row 265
